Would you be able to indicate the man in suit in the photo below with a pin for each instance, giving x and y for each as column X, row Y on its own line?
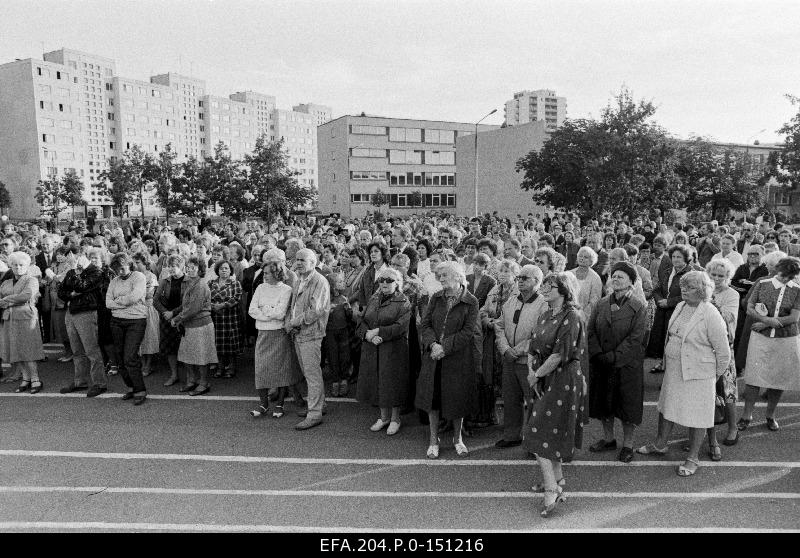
column 43, row 260
column 785, row 245
column 479, row 283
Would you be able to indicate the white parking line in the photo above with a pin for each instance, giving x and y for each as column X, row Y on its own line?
column 376, row 461
column 212, row 528
column 386, row 494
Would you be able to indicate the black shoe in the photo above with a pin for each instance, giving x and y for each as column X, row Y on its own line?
column 656, row 370
column 602, row 445
column 72, row 387
column 139, row 399
column 94, row 391
column 502, row 444
column 772, row 424
column 733, row 442
column 626, row 455
column 127, row 396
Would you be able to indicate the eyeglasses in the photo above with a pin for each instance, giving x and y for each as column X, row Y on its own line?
column 537, row 261
column 522, row 277
column 385, row 280
column 546, row 287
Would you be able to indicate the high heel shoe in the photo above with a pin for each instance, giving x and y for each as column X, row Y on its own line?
column 36, row 387
column 550, row 508
column 23, row 386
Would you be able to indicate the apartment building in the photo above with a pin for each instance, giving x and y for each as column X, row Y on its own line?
column 534, row 106
column 359, row 155
column 72, row 111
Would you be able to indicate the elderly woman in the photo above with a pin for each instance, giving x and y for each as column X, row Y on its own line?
column 414, row 292
column 489, row 314
column 383, row 379
column 276, row 364
column 770, row 260
column 667, row 295
column 617, row 332
column 125, row 299
column 198, row 343
column 726, row 300
column 619, row 255
column 742, row 282
column 557, row 364
column 450, row 338
column 590, row 288
column 696, row 354
column 479, row 282
column 773, row 354
column 167, row 301
column 20, row 337
column 150, row 342
column 226, row 295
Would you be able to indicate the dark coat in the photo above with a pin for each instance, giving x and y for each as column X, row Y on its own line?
column 383, row 375
column 658, row 332
column 460, row 336
column 616, row 343
column 366, row 286
column 484, row 286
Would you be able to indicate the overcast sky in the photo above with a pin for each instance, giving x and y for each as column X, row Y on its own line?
column 714, row 68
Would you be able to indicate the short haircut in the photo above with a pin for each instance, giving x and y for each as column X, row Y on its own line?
column 19, row 258
column 699, row 281
column 509, row 265
column 380, row 246
column 721, row 264
column 567, row 286
column 481, row 259
column 452, row 269
column 393, row 273
column 683, row 249
column 789, row 267
column 120, row 260
column 176, row 259
column 220, row 264
column 401, row 260
column 277, row 269
column 531, row 270
column 631, row 250
column 587, row 251
column 490, row 243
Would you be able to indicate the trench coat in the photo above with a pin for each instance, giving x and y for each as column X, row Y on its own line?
column 383, row 375
column 616, row 341
column 459, row 333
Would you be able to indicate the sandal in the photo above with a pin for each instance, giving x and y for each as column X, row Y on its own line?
column 687, row 471
column 278, row 412
column 23, row 386
column 36, row 387
column 715, row 452
column 433, row 450
column 651, row 449
column 743, row 423
column 550, row 508
column 260, row 412
column 539, row 487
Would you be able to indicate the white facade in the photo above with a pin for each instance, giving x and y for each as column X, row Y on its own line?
column 534, row 106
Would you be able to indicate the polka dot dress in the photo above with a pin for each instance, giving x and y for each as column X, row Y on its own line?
column 555, row 428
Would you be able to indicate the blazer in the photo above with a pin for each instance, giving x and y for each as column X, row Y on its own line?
column 705, row 351
column 517, row 335
column 484, row 286
column 23, row 296
column 740, row 246
column 310, row 307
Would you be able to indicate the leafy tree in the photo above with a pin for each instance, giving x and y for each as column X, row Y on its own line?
column 379, row 199
column 127, row 179
column 415, row 198
column 164, row 171
column 113, row 182
column 222, row 180
column 66, row 190
column 621, row 163
column 190, row 189
column 272, row 185
column 717, row 180
column 72, row 190
column 5, row 198
column 784, row 165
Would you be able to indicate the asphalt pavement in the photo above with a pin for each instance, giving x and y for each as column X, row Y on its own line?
column 181, row 463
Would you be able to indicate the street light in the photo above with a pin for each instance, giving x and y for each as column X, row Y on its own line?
column 476, row 158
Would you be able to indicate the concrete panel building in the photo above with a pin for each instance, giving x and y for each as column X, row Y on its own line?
column 321, row 113
column 298, row 130
column 359, row 155
column 534, row 106
column 498, row 182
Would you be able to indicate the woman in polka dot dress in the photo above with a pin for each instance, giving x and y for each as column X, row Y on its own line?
column 557, row 362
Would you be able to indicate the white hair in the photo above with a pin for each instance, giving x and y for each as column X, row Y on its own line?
column 453, row 269
column 771, row 260
column 19, row 258
column 312, row 257
column 393, row 273
column 589, row 252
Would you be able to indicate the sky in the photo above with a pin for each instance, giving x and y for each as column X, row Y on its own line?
column 713, row 68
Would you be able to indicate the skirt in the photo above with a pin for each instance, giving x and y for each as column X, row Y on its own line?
column 169, row 338
column 276, row 362
column 689, row 403
column 21, row 340
column 150, row 342
column 197, row 346
column 773, row 363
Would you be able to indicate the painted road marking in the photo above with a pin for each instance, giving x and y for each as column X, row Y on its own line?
column 248, row 398
column 196, row 527
column 378, row 462
column 95, row 490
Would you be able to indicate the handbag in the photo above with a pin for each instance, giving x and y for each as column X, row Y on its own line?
column 719, row 410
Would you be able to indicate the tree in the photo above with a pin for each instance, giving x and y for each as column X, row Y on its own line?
column 379, row 199
column 784, row 165
column 127, row 179
column 190, row 190
column 164, row 171
column 271, row 183
column 66, row 190
column 5, row 198
column 415, row 198
column 113, row 182
column 222, row 180
column 622, row 163
column 717, row 180
column 72, row 190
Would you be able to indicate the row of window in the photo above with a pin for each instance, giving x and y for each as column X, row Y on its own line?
column 407, row 178
column 417, row 135
column 406, row 157
column 407, row 200
column 127, row 88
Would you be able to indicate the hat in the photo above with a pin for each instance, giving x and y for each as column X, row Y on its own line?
column 626, row 268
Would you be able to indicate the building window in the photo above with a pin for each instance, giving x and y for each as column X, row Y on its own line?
column 405, row 134
column 366, row 152
column 111, row 116
column 368, row 130
column 400, row 157
column 359, row 198
column 367, row 175
column 48, row 138
column 405, row 179
column 49, row 122
column 440, row 179
column 44, row 89
column 440, row 158
column 782, row 197
column 439, row 136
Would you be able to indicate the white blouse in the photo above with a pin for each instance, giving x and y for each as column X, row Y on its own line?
column 269, row 305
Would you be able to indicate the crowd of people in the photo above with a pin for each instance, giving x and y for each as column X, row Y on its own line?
column 536, row 323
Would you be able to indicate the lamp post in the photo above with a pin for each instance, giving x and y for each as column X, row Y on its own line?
column 476, row 158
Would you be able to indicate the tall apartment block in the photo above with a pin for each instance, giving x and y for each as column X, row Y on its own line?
column 359, row 155
column 70, row 111
column 535, row 106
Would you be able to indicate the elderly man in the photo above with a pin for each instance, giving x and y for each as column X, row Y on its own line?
column 512, row 334
column 306, row 323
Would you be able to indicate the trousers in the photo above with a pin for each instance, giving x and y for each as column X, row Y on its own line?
column 308, row 354
column 87, row 358
column 128, row 335
column 516, row 391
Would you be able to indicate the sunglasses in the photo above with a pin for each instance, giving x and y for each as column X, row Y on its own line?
column 386, row 280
